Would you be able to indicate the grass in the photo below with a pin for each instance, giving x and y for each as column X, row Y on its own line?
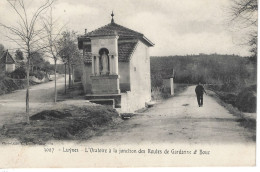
column 75, row 92
column 245, row 122
column 160, row 93
column 179, row 88
column 7, row 85
column 244, row 98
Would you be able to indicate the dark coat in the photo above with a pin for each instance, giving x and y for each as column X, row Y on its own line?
column 200, row 90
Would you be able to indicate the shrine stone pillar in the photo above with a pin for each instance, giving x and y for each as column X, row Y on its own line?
column 106, row 79
column 97, row 66
column 93, row 65
column 116, row 65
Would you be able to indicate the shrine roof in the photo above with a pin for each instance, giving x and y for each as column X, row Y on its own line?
column 112, row 29
column 125, row 50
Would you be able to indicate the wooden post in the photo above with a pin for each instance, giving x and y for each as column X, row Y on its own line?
column 172, row 86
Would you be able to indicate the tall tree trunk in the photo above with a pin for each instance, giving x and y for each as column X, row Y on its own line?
column 27, row 90
column 69, row 66
column 55, row 78
column 73, row 75
column 65, row 79
column 84, row 76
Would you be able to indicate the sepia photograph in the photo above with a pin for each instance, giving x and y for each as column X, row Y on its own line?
column 128, row 83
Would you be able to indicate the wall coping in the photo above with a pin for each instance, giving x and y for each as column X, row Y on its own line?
column 104, row 76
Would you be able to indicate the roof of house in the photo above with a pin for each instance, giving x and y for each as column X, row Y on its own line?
column 125, row 50
column 7, row 58
column 113, row 29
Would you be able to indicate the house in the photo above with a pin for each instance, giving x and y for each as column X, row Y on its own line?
column 7, row 63
column 117, row 66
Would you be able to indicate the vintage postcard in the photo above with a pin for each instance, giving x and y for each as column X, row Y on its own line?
column 128, row 83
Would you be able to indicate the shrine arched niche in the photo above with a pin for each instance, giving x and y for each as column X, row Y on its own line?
column 104, row 61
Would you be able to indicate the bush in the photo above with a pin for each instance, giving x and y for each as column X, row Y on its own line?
column 8, row 85
column 246, row 100
column 38, row 74
column 19, row 73
column 158, row 93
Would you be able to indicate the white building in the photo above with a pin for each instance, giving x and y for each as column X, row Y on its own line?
column 7, row 63
column 117, row 66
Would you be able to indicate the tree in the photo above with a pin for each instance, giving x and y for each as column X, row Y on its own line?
column 47, row 67
column 2, row 48
column 244, row 16
column 53, row 35
column 36, row 61
column 2, row 67
column 68, row 49
column 19, row 55
column 26, row 33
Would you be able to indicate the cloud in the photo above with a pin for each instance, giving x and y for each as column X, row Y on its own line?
column 175, row 26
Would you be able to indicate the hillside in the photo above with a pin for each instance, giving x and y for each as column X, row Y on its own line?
column 217, row 69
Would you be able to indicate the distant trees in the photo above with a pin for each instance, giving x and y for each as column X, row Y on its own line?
column 19, row 55
column 39, row 64
column 228, row 70
column 48, row 68
column 2, row 48
column 36, row 61
column 68, row 49
column 244, row 17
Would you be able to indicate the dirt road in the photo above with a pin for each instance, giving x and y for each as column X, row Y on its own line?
column 12, row 106
column 179, row 120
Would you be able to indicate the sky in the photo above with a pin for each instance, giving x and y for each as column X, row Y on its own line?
column 176, row 27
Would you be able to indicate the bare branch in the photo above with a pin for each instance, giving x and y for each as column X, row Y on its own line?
column 243, row 16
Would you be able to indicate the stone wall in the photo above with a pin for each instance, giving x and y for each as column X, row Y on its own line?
column 85, row 79
column 124, row 74
column 105, row 84
column 140, row 81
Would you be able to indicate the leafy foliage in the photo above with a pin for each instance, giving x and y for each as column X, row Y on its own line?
column 68, row 47
column 38, row 63
column 2, row 48
column 38, row 74
column 19, row 73
column 246, row 99
column 19, row 55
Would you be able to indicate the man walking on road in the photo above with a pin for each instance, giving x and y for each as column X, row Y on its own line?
column 199, row 92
